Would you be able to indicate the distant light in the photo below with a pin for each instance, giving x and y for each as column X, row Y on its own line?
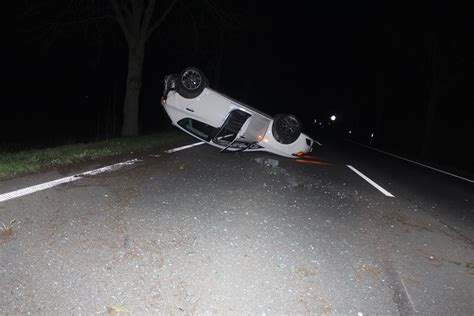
column 372, row 135
column 333, row 117
column 315, row 120
column 320, row 123
column 350, row 132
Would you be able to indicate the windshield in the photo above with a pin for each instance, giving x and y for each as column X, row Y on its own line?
column 197, row 128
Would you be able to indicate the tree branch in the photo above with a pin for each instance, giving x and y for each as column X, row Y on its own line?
column 161, row 19
column 150, row 8
column 121, row 19
column 128, row 13
column 137, row 11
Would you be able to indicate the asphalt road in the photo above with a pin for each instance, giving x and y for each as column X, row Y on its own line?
column 196, row 231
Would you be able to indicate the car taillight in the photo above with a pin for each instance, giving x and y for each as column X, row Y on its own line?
column 298, row 154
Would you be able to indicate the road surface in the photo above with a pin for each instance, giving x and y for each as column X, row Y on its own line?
column 196, row 231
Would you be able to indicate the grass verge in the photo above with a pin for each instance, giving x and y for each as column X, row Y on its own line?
column 26, row 161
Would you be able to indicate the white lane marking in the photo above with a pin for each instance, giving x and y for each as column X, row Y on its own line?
column 318, row 143
column 183, row 147
column 50, row 184
column 417, row 163
column 378, row 187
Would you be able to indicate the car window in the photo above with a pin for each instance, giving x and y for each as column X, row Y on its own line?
column 198, row 128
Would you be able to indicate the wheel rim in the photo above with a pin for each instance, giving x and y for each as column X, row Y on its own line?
column 191, row 79
column 290, row 125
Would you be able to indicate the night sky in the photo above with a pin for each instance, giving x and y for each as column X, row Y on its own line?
column 315, row 59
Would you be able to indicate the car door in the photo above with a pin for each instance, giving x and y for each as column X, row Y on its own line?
column 209, row 107
column 255, row 128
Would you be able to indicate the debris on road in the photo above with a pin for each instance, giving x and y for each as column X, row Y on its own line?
column 267, row 162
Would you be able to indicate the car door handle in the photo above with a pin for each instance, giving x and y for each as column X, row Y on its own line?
column 190, row 110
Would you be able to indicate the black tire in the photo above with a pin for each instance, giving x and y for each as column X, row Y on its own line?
column 286, row 128
column 191, row 82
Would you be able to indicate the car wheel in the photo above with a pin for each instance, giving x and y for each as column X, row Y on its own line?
column 191, row 82
column 286, row 128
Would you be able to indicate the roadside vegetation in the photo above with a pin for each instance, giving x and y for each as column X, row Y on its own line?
column 32, row 160
column 114, row 310
column 6, row 230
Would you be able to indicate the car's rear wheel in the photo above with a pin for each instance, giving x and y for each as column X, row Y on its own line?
column 286, row 128
column 191, row 82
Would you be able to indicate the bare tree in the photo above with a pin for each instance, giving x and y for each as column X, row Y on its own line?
column 138, row 20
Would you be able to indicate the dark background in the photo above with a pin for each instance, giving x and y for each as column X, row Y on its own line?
column 351, row 59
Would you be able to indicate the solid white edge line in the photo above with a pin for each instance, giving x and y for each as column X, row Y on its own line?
column 378, row 187
column 417, row 163
column 39, row 187
column 183, row 147
column 109, row 168
column 50, row 184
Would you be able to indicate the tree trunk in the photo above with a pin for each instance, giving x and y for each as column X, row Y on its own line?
column 132, row 95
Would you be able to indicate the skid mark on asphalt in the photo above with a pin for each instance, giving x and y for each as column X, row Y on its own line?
column 313, row 162
column 401, row 297
column 51, row 184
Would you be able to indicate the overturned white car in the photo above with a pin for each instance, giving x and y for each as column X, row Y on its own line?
column 226, row 123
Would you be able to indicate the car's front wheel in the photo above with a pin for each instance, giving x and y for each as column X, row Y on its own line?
column 191, row 82
column 286, row 128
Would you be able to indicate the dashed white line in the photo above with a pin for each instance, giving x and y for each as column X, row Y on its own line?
column 378, row 187
column 183, row 147
column 50, row 184
column 318, row 143
column 417, row 163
